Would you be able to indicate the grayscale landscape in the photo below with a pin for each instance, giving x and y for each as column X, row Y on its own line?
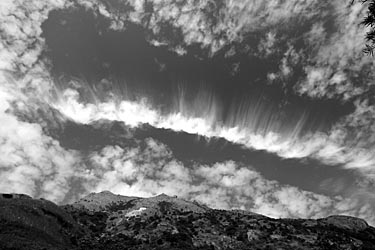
column 187, row 124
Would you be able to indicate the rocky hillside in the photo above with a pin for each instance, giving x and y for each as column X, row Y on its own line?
column 108, row 221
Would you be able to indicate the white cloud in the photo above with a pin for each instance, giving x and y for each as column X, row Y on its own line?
column 150, row 169
column 31, row 162
column 226, row 22
column 249, row 126
column 339, row 57
column 332, row 59
column 332, row 55
column 20, row 27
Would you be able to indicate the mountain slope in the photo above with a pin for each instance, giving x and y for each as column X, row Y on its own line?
column 27, row 223
column 108, row 221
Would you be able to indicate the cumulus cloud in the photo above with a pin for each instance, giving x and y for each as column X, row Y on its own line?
column 31, row 162
column 339, row 69
column 150, row 169
column 331, row 58
column 20, row 29
column 212, row 24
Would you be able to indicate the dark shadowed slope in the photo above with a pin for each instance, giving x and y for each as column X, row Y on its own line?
column 27, row 223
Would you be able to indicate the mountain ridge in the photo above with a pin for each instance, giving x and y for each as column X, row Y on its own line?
column 108, row 221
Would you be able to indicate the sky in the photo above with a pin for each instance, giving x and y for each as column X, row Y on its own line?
column 266, row 106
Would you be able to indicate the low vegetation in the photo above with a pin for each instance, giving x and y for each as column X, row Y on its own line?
column 166, row 223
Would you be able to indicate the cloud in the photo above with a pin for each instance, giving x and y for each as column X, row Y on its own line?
column 20, row 28
column 150, row 169
column 347, row 144
column 250, row 127
column 339, row 69
column 331, row 59
column 331, row 56
column 37, row 165
column 31, row 162
column 212, row 24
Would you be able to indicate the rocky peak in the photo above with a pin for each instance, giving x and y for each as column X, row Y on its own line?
column 163, row 195
column 107, row 201
column 101, row 201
